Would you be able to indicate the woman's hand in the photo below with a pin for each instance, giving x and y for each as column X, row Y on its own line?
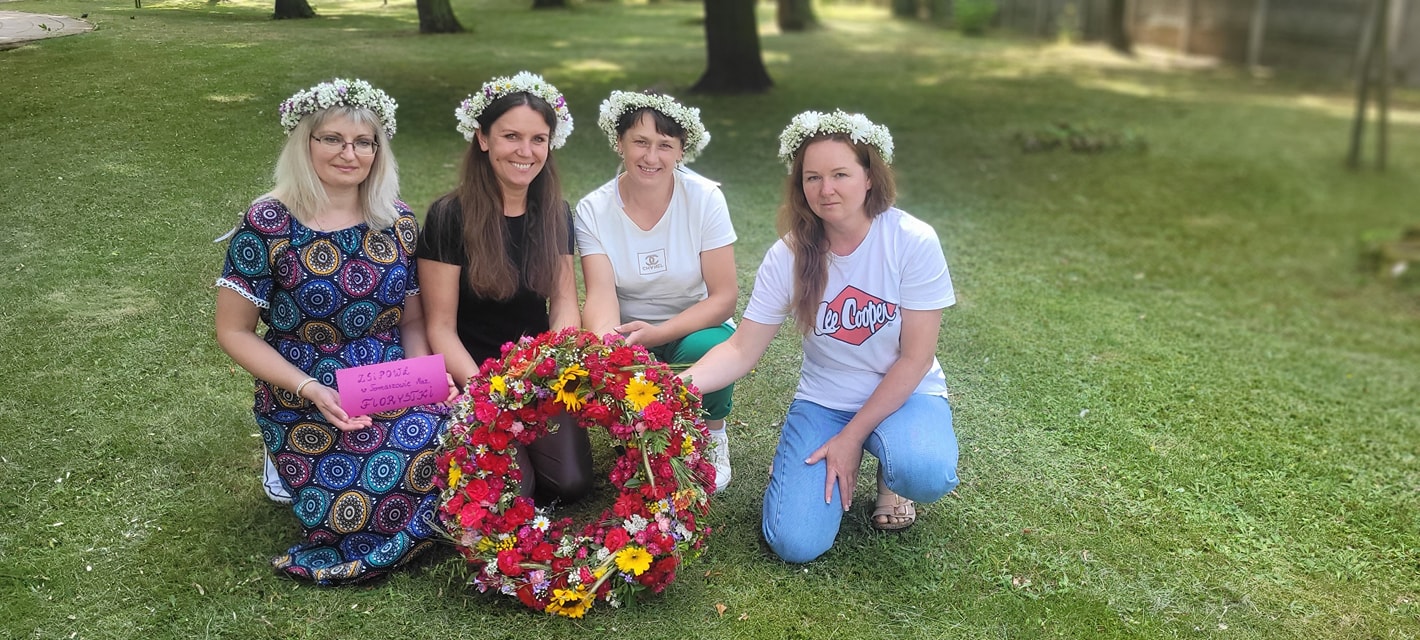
column 328, row 401
column 841, row 454
column 642, row 333
column 453, row 390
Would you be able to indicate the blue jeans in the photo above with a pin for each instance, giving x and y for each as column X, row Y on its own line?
column 915, row 447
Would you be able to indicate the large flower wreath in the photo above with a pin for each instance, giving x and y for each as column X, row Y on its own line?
column 662, row 477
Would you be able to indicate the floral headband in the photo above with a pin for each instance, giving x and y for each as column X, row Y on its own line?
column 524, row 82
column 813, row 123
column 622, row 102
column 339, row 93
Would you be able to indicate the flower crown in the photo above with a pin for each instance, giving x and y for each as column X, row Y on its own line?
column 524, row 82
column 336, row 93
column 622, row 102
column 813, row 123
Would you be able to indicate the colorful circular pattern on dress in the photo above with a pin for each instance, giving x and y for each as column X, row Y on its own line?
column 286, row 267
column 248, row 254
column 420, row 477
column 362, row 351
column 391, row 551
column 422, row 524
column 271, row 433
column 349, row 513
column 381, row 248
column 393, row 352
column 312, row 504
column 317, row 332
column 393, row 288
column 320, row 557
column 318, row 298
column 413, row 431
column 337, row 471
column 388, row 319
column 311, row 438
column 408, row 234
column 321, row 257
column 297, row 352
column 285, row 315
column 269, row 217
column 393, row 513
column 358, row 278
column 322, row 536
column 356, row 319
column 294, row 469
column 383, row 471
column 324, row 371
column 363, row 441
column 356, row 545
column 350, row 238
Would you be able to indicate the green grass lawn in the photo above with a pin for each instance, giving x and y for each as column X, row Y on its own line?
column 1186, row 406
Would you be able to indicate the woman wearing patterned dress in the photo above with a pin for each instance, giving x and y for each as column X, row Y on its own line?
column 325, row 261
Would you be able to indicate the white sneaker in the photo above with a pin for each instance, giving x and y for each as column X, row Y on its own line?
column 719, row 455
column 273, row 485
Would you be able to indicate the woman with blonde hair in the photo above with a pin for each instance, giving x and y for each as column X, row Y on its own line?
column 866, row 284
column 325, row 261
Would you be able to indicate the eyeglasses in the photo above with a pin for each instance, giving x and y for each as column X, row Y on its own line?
column 337, row 144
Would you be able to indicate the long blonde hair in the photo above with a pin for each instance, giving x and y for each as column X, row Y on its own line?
column 803, row 231
column 299, row 187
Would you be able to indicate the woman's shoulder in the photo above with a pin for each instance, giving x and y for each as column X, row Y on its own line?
column 598, row 198
column 909, row 224
column 268, row 215
column 696, row 185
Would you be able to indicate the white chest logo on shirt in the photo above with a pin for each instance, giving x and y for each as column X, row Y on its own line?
column 853, row 316
column 651, row 262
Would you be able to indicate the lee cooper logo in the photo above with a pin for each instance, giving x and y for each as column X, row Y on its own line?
column 853, row 316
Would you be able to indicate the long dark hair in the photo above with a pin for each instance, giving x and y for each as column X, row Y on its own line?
column 491, row 271
column 803, row 231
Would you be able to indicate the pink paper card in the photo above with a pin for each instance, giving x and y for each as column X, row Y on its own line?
column 392, row 385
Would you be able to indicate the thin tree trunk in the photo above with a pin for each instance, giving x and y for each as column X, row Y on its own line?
column 1117, row 27
column 796, row 15
column 1363, row 87
column 733, row 60
column 293, row 9
column 436, row 16
column 1255, row 33
column 549, row 4
column 1383, row 97
column 904, row 8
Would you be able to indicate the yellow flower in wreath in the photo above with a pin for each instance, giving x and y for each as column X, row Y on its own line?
column 572, row 603
column 568, row 386
column 640, row 393
column 633, row 560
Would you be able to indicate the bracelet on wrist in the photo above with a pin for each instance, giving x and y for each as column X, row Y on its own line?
column 303, row 384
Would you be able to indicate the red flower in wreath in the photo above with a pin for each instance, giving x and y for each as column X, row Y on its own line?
column 662, row 477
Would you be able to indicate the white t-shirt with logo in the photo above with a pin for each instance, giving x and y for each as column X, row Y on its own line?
column 857, row 331
column 657, row 271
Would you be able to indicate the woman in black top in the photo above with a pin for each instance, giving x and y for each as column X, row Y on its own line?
column 495, row 256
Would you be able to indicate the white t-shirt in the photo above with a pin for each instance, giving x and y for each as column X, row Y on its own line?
column 657, row 271
column 857, row 331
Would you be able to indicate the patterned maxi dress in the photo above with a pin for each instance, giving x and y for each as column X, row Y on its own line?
column 365, row 499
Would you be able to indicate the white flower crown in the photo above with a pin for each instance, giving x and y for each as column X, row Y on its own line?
column 338, row 92
column 813, row 123
column 524, row 82
column 622, row 102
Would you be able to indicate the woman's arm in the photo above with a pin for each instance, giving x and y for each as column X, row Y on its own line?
column 732, row 359
column 413, row 336
column 602, row 312
column 562, row 304
column 844, row 452
column 236, row 334
column 439, row 289
column 717, row 267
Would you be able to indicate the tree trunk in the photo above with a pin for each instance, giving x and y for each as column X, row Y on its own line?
column 904, row 8
column 733, row 61
column 549, row 4
column 1117, row 28
column 796, row 15
column 293, row 9
column 436, row 16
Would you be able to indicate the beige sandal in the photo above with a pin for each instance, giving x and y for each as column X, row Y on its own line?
column 892, row 512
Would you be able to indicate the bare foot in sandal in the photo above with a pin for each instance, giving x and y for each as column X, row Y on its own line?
column 892, row 512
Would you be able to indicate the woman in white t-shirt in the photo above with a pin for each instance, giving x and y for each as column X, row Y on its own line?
column 658, row 248
column 866, row 284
